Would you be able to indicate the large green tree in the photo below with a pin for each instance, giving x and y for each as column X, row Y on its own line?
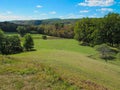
column 84, row 30
column 11, row 45
column 28, row 42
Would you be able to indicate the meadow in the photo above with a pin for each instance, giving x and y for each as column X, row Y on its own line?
column 58, row 64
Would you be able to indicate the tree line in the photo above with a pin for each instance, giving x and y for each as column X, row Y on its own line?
column 57, row 29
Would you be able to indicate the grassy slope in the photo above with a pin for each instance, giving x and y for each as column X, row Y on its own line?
column 72, row 63
column 17, row 74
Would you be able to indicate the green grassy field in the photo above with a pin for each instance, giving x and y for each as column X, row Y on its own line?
column 58, row 64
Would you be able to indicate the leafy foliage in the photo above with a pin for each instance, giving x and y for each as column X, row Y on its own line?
column 11, row 45
column 112, row 28
column 28, row 42
column 99, row 30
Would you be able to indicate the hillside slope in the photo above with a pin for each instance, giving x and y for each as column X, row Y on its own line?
column 71, row 61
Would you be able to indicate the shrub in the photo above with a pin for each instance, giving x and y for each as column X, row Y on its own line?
column 44, row 37
column 105, row 51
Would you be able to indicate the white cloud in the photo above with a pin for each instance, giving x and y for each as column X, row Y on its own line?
column 105, row 9
column 15, row 17
column 39, row 6
column 84, row 11
column 52, row 12
column 97, row 3
column 10, row 17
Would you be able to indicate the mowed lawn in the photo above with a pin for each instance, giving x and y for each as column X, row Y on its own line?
column 70, row 61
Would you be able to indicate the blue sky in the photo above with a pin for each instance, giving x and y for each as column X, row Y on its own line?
column 44, row 9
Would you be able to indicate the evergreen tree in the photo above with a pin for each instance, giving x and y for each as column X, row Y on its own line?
column 28, row 42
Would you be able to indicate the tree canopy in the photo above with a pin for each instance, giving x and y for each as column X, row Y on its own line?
column 28, row 42
column 99, row 30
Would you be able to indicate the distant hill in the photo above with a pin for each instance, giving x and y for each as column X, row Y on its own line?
column 8, row 27
column 46, row 21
